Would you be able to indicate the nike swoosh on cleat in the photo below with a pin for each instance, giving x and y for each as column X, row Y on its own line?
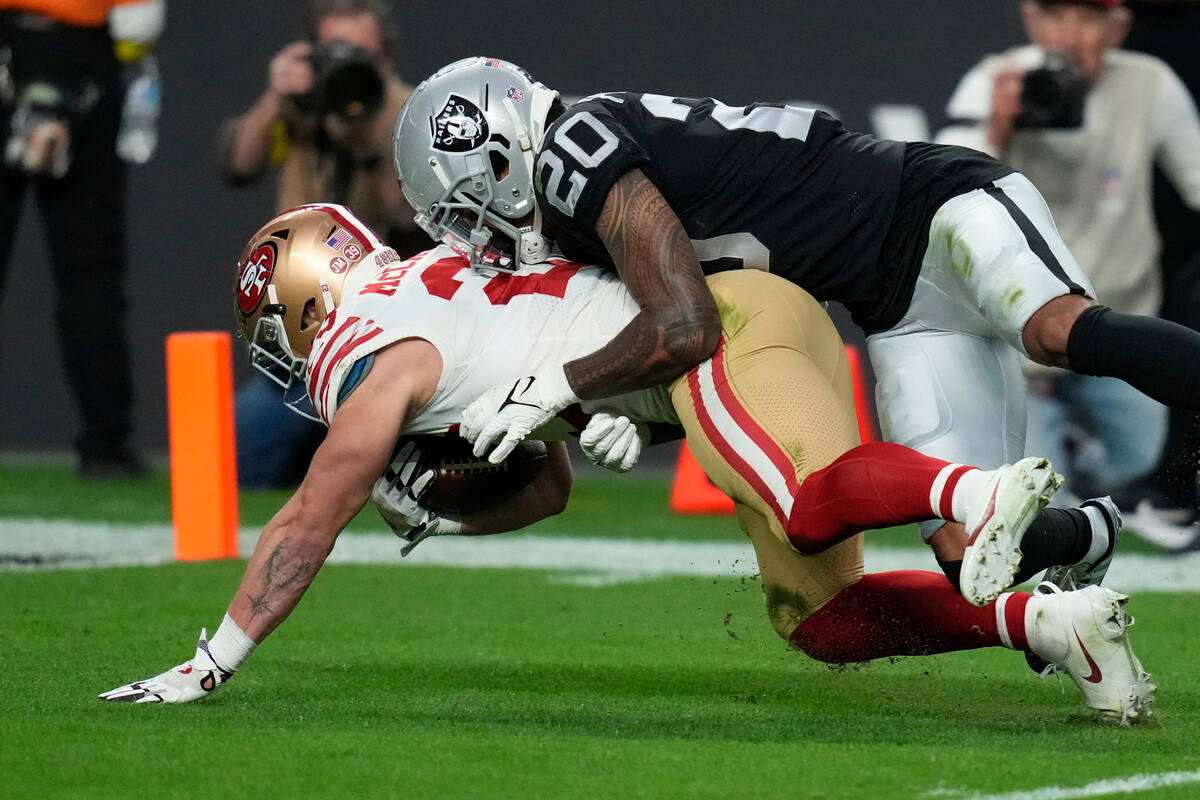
column 1096, row 676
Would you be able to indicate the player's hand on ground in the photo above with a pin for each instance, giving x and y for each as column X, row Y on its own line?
column 612, row 441
column 509, row 412
column 189, row 681
column 397, row 495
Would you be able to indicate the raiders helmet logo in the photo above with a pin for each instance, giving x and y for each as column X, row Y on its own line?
column 254, row 277
column 459, row 127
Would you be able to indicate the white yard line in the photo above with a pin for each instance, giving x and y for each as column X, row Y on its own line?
column 1105, row 788
column 59, row 544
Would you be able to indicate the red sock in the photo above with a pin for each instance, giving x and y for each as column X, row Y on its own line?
column 907, row 613
column 874, row 485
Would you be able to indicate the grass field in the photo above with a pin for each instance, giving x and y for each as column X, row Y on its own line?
column 428, row 681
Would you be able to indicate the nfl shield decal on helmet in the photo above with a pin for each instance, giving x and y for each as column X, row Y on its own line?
column 254, row 277
column 459, row 127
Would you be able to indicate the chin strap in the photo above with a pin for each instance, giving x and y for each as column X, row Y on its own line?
column 522, row 133
column 534, row 249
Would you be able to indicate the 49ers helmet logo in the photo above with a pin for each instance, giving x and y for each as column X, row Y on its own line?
column 255, row 275
column 459, row 127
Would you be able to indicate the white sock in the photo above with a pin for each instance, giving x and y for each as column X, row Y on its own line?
column 230, row 646
column 1010, row 622
column 1045, row 630
column 967, row 486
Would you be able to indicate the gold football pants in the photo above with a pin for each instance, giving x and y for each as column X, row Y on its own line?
column 774, row 404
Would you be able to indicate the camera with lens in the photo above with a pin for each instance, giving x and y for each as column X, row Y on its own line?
column 1052, row 96
column 346, row 82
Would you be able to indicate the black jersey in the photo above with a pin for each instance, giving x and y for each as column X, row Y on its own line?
column 767, row 186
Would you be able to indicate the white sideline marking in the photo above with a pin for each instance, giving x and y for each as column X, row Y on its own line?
column 1129, row 785
column 61, row 544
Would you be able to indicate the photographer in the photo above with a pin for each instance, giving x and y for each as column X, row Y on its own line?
column 325, row 123
column 61, row 98
column 1086, row 122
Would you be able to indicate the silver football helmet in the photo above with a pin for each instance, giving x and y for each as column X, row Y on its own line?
column 464, row 149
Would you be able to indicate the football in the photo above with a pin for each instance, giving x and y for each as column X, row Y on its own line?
column 464, row 483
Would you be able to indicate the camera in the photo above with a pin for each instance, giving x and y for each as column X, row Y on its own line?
column 346, row 82
column 1052, row 96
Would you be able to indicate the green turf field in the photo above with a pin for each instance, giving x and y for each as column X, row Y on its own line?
column 403, row 681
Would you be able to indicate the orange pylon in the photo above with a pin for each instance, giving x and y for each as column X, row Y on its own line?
column 692, row 492
column 862, row 406
column 204, row 502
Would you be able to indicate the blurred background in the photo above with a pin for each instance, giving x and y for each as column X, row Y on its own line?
column 887, row 68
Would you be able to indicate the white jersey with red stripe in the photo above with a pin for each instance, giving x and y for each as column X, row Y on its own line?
column 487, row 329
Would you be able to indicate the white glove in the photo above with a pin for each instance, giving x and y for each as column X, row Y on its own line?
column 189, row 681
column 397, row 495
column 514, row 410
column 613, row 442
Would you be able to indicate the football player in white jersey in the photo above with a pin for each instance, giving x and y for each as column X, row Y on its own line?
column 383, row 348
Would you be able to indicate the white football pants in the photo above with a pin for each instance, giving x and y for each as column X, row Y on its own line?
column 949, row 380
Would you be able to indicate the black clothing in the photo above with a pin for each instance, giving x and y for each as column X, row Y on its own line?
column 843, row 215
column 1140, row 351
column 84, row 218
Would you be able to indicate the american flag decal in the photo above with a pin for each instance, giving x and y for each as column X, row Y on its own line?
column 340, row 239
column 491, row 62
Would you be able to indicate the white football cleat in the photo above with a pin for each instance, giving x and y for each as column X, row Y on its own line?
column 996, row 524
column 1084, row 634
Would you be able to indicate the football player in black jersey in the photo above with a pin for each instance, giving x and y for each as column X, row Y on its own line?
column 948, row 259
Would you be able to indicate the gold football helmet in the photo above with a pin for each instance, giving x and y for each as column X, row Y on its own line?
column 289, row 280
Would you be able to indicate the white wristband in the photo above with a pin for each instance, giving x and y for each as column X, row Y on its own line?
column 448, row 525
column 230, row 646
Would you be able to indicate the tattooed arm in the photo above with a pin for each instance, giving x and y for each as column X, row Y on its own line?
column 678, row 326
column 295, row 543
